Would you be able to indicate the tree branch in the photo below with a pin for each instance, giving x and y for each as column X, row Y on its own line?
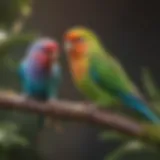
column 75, row 111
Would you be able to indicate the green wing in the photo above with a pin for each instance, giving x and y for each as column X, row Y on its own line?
column 108, row 73
column 94, row 91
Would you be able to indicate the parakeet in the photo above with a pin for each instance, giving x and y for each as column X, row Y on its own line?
column 99, row 75
column 40, row 72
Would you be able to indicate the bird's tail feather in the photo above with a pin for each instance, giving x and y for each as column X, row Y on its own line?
column 137, row 104
column 149, row 114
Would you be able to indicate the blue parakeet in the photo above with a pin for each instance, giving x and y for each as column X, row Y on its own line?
column 40, row 72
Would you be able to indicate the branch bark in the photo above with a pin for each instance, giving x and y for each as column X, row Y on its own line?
column 78, row 111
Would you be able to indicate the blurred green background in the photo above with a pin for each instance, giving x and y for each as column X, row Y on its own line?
column 130, row 29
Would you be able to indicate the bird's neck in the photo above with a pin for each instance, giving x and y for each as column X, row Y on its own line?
column 78, row 67
column 39, row 70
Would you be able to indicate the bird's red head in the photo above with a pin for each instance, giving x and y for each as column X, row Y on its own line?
column 51, row 48
column 46, row 52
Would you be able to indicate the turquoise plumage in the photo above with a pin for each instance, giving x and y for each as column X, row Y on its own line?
column 40, row 75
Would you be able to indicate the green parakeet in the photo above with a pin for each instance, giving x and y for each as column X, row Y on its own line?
column 99, row 75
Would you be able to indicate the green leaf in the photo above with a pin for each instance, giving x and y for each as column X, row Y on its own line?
column 130, row 147
column 8, row 47
column 3, row 35
column 9, row 136
column 13, row 41
column 111, row 135
column 151, row 89
column 10, row 10
column 10, row 63
column 149, row 84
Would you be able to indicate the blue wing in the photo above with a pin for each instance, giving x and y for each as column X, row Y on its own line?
column 31, row 87
column 21, row 74
column 56, row 80
column 21, row 71
column 139, row 105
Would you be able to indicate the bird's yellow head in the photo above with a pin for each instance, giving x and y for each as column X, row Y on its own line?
column 77, row 41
